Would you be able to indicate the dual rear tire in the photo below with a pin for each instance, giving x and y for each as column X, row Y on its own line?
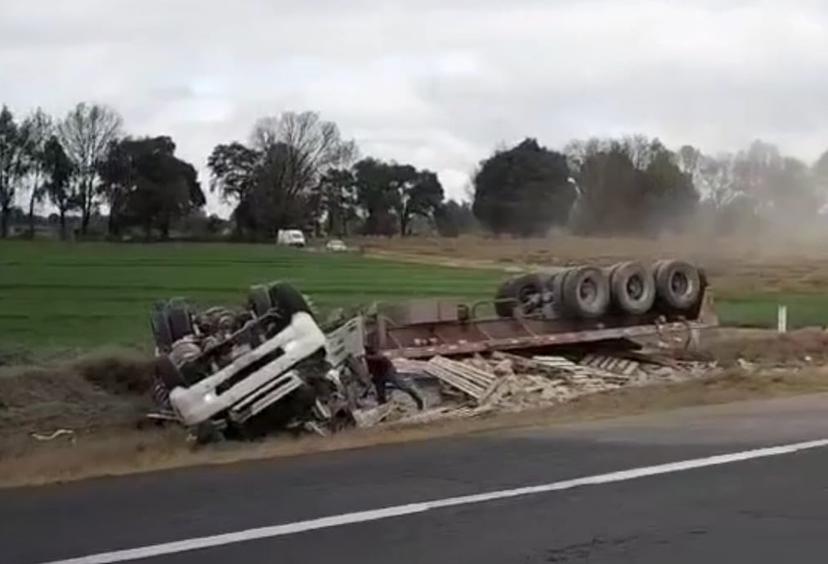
column 170, row 322
column 280, row 297
column 586, row 292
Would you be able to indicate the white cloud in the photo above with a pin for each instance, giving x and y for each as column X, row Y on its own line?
column 436, row 83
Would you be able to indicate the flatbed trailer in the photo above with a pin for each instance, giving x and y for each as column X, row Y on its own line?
column 425, row 329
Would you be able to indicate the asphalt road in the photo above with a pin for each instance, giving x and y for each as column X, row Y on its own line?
column 771, row 509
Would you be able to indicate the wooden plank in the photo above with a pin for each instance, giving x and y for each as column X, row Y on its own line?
column 476, row 383
column 452, row 379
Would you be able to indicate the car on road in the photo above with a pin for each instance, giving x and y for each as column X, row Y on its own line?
column 336, row 246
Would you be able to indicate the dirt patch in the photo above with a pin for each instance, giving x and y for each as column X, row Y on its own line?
column 806, row 347
column 103, row 390
column 11, row 356
column 124, row 373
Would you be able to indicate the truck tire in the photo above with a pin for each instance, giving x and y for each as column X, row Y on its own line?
column 520, row 291
column 258, row 299
column 288, row 300
column 161, row 330
column 168, row 373
column 554, row 287
column 585, row 292
column 632, row 287
column 179, row 319
column 678, row 284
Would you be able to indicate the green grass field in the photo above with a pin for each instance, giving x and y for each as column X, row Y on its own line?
column 56, row 296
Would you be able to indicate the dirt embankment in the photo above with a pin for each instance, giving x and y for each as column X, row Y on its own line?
column 105, row 390
column 806, row 348
column 103, row 398
column 119, row 452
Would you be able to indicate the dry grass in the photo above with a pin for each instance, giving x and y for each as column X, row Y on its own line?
column 736, row 266
column 803, row 348
column 103, row 389
column 124, row 451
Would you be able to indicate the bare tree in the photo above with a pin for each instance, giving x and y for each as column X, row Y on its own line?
column 641, row 149
column 307, row 145
column 85, row 134
column 37, row 129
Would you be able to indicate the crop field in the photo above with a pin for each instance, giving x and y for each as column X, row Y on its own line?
column 55, row 296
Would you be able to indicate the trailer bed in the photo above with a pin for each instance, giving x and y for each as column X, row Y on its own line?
column 423, row 338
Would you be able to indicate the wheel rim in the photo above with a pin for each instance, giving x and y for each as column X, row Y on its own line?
column 680, row 284
column 525, row 295
column 588, row 291
column 635, row 287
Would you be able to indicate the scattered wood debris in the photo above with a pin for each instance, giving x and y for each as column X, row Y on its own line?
column 476, row 383
column 507, row 382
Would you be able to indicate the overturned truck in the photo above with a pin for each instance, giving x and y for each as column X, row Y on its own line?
column 270, row 366
column 568, row 307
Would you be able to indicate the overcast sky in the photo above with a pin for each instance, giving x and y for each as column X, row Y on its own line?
column 436, row 83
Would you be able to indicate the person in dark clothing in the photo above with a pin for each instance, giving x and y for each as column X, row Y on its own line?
column 384, row 374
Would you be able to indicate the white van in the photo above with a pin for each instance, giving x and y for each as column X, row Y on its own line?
column 290, row 238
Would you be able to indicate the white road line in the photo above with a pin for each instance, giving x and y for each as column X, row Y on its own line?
column 413, row 508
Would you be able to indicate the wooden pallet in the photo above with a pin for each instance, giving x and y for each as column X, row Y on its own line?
column 475, row 383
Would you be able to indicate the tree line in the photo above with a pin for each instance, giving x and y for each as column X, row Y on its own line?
column 296, row 170
column 637, row 186
column 83, row 162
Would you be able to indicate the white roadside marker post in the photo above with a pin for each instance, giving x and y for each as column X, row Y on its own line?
column 782, row 319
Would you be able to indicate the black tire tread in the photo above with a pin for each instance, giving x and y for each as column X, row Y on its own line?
column 259, row 300
column 664, row 270
column 161, row 330
column 570, row 296
column 512, row 289
column 619, row 274
column 288, row 300
column 180, row 321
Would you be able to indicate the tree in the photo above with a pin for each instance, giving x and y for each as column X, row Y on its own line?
column 419, row 195
column 454, row 219
column 148, row 185
column 641, row 150
column 312, row 146
column 609, row 193
column 234, row 169
column 338, row 201
column 275, row 181
column 13, row 166
column 377, row 200
column 669, row 193
column 58, row 170
column 781, row 189
column 396, row 193
column 634, row 186
column 524, row 190
column 37, row 129
column 86, row 134
column 116, row 174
